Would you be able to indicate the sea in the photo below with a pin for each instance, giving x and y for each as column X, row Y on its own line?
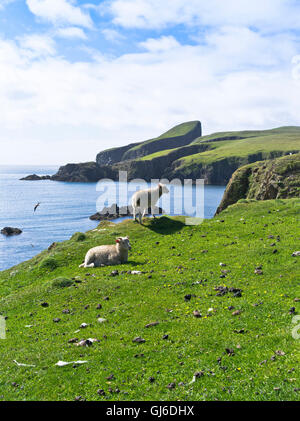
column 65, row 208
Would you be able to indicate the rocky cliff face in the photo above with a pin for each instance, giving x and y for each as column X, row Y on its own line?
column 218, row 171
column 112, row 156
column 85, row 172
column 176, row 137
column 166, row 166
column 265, row 180
column 157, row 167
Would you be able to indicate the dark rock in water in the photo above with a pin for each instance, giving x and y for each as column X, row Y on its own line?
column 114, row 212
column 8, row 231
column 34, row 177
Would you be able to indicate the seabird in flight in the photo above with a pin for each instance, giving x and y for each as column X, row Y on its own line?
column 36, row 206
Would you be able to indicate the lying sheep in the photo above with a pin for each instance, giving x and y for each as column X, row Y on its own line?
column 145, row 199
column 108, row 255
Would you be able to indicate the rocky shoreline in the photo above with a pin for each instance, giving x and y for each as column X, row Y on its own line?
column 115, row 212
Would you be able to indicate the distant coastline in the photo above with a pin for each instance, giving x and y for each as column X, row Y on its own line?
column 183, row 153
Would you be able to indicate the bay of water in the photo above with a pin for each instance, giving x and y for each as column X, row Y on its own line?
column 65, row 208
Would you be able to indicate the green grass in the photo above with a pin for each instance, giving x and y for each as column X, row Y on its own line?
column 251, row 145
column 238, row 237
column 238, row 145
column 180, row 130
column 156, row 154
column 176, row 131
column 237, row 135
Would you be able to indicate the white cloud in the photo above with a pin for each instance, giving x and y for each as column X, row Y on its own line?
column 54, row 110
column 112, row 35
column 3, row 3
column 267, row 14
column 36, row 45
column 160, row 44
column 71, row 32
column 59, row 12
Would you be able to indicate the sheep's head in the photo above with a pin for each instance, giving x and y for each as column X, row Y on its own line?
column 163, row 189
column 124, row 242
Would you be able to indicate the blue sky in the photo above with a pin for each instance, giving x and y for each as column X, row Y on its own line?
column 77, row 77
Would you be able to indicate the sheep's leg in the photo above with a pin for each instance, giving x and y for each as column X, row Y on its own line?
column 144, row 213
column 91, row 265
column 134, row 213
column 140, row 217
column 82, row 265
column 89, row 261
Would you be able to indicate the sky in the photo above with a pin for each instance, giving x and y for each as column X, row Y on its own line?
column 77, row 77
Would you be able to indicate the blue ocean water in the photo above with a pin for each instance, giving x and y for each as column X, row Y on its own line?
column 65, row 208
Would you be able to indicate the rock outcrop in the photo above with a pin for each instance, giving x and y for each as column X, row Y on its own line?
column 265, row 180
column 84, row 172
column 218, row 171
column 9, row 231
column 34, row 177
column 115, row 212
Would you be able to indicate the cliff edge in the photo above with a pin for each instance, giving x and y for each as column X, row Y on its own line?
column 265, row 180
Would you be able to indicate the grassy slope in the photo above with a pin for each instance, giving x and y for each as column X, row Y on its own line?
column 251, row 142
column 248, row 146
column 176, row 131
column 194, row 344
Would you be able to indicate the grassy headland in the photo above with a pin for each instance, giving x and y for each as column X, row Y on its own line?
column 241, row 347
column 183, row 153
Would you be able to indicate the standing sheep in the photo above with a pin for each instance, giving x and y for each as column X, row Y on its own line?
column 108, row 255
column 145, row 199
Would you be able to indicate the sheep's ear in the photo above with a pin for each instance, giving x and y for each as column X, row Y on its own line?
column 117, row 240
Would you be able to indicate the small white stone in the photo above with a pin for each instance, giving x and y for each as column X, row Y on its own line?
column 101, row 320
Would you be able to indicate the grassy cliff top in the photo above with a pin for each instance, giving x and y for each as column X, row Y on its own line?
column 248, row 356
column 239, row 144
column 247, row 146
column 236, row 135
column 179, row 130
column 179, row 135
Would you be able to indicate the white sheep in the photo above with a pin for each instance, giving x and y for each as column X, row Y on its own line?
column 108, row 255
column 145, row 199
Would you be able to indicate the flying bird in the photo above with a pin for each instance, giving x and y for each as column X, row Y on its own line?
column 36, row 206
